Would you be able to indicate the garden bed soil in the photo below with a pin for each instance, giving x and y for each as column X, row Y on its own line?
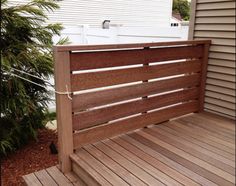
column 33, row 157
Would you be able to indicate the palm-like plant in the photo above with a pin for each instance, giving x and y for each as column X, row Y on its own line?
column 26, row 45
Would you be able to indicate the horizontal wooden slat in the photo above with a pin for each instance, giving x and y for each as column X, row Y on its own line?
column 215, row 34
column 215, row 27
column 215, row 13
column 222, row 90
column 221, row 76
column 114, row 77
column 215, row 20
column 98, row 116
column 98, row 98
column 217, row 5
column 220, row 96
column 102, row 59
column 101, row 132
column 59, row 48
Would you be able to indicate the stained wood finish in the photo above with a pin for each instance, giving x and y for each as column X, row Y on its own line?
column 103, row 59
column 168, row 82
column 113, row 77
column 158, row 155
column 126, row 46
column 203, row 77
column 63, row 109
column 97, row 98
column 52, row 175
column 103, row 115
column 108, row 130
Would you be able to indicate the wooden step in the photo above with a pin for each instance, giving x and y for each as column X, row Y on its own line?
column 52, row 176
column 86, row 172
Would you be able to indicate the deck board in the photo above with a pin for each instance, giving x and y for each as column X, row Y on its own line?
column 114, row 166
column 52, row 176
column 197, row 149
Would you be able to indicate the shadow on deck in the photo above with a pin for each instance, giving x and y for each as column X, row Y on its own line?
column 196, row 149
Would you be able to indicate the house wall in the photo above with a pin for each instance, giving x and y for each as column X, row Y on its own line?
column 215, row 20
column 135, row 13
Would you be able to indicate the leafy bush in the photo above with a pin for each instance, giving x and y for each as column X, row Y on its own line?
column 26, row 45
column 182, row 7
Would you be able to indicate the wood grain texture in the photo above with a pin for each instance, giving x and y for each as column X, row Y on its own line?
column 154, row 162
column 159, row 175
column 45, row 178
column 63, row 108
column 130, row 166
column 182, row 160
column 203, row 77
column 156, row 155
column 58, row 176
column 104, row 131
column 113, row 77
column 103, row 97
column 211, row 136
column 31, row 179
column 114, row 166
column 86, row 172
column 80, row 122
column 172, row 163
column 123, row 46
column 196, row 145
column 201, row 125
column 189, row 157
column 221, row 163
column 103, row 115
column 99, row 167
column 204, row 138
column 103, row 59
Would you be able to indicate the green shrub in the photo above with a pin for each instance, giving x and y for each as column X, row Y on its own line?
column 26, row 44
column 182, row 7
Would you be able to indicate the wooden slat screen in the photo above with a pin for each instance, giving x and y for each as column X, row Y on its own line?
column 119, row 88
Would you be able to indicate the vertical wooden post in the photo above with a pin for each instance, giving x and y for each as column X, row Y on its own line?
column 203, row 76
column 63, row 108
column 145, row 81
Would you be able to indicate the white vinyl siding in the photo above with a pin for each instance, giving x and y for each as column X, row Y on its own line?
column 135, row 13
column 215, row 20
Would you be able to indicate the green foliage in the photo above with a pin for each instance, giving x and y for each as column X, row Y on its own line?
column 182, row 7
column 26, row 44
column 50, row 116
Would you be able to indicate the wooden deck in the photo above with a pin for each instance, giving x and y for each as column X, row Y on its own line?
column 197, row 149
column 52, row 176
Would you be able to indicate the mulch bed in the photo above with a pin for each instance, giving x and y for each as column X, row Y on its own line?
column 32, row 157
